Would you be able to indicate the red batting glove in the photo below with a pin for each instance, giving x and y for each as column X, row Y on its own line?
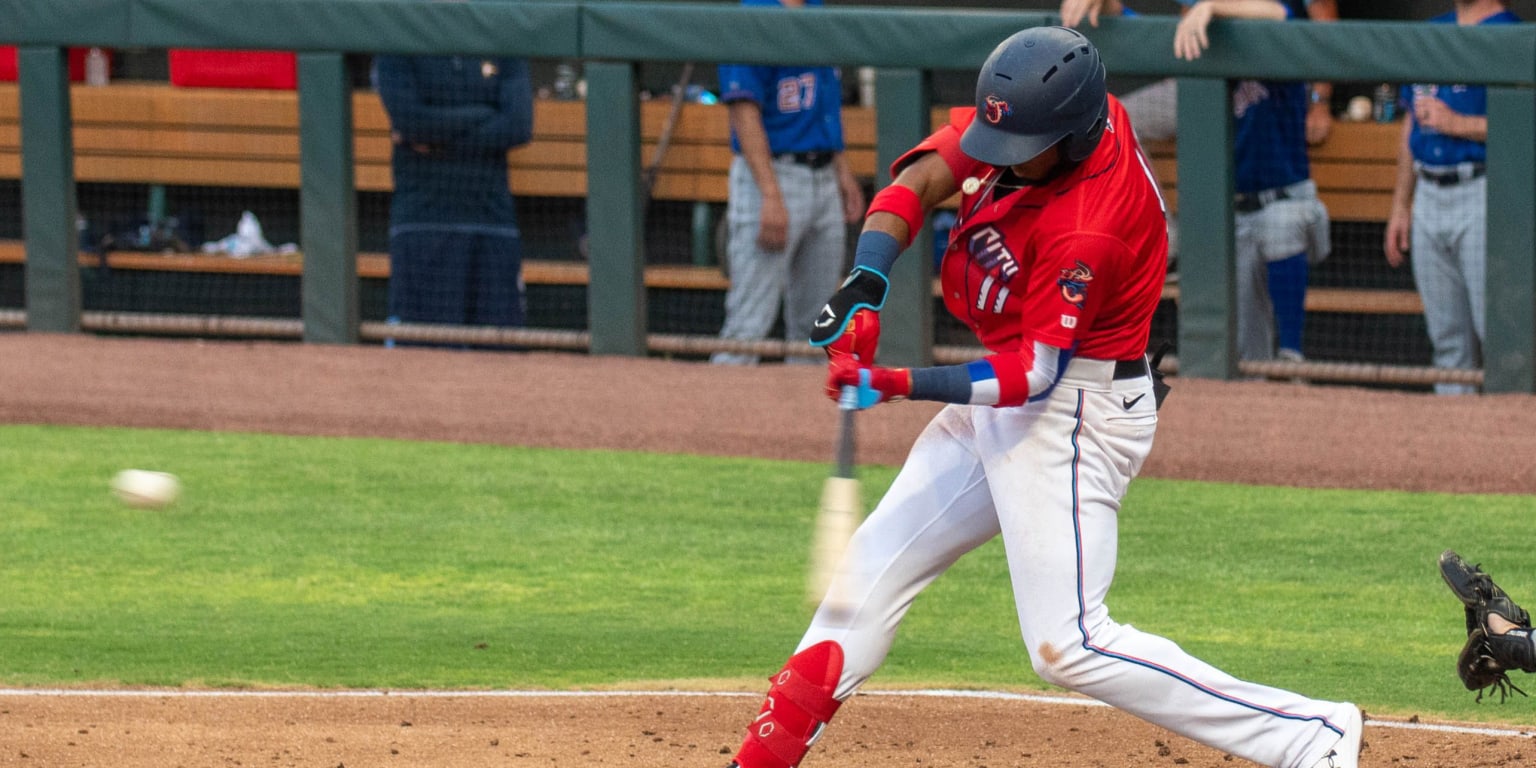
column 860, row 338
column 874, row 384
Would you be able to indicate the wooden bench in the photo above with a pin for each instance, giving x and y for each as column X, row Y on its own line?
column 1355, row 170
column 155, row 133
column 673, row 277
column 369, row 266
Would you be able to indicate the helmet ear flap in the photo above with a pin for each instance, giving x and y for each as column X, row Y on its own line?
column 1081, row 145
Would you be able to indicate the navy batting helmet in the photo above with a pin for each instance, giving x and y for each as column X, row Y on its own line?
column 1041, row 86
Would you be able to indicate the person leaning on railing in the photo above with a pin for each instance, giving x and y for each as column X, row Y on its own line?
column 1281, row 226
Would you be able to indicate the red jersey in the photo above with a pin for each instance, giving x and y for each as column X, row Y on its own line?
column 1077, row 262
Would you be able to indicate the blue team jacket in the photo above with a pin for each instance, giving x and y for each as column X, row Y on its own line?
column 468, row 111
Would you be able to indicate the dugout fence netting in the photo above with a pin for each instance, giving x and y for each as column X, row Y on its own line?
column 173, row 252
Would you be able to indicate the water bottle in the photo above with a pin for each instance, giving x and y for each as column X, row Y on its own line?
column 1423, row 91
column 1384, row 105
column 98, row 67
column 565, row 82
column 389, row 341
column 866, row 86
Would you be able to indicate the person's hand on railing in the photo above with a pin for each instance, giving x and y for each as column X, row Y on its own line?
column 1074, row 11
column 1190, row 38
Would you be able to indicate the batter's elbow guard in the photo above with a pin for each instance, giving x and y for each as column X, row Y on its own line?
column 799, row 704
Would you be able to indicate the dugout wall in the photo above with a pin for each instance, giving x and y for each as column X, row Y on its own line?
column 904, row 44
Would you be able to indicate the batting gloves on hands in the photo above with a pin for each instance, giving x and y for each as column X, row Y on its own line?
column 849, row 323
column 874, row 384
column 848, row 328
column 859, row 339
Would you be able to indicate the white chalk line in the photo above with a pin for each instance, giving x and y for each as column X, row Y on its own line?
column 1034, row 698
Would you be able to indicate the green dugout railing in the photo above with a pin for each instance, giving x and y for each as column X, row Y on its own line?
column 904, row 44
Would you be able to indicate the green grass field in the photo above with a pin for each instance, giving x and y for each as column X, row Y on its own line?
column 307, row 562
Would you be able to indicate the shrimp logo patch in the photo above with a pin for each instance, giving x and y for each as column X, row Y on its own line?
column 1074, row 284
column 997, row 109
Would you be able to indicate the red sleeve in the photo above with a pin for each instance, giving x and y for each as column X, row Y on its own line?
column 946, row 142
column 1071, row 281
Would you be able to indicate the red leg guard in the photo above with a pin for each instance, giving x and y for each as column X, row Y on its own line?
column 799, row 703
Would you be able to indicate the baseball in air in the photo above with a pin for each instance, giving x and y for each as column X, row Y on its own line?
column 1359, row 109
column 146, row 489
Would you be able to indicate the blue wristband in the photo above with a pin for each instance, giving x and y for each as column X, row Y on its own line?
column 866, row 396
column 876, row 251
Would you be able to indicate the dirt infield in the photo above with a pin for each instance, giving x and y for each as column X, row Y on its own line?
column 1280, row 434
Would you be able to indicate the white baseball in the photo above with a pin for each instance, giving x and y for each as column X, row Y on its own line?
column 146, row 489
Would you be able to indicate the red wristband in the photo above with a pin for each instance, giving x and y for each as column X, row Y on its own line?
column 902, row 202
column 893, row 383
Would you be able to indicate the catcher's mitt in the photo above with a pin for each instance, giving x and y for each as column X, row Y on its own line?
column 1485, row 659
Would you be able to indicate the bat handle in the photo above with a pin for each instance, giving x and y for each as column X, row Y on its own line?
column 848, row 405
column 849, row 399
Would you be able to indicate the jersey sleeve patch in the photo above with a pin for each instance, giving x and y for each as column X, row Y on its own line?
column 1074, row 282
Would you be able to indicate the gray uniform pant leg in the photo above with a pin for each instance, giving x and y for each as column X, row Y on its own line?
column 1296, row 224
column 816, row 265
column 1153, row 109
column 1450, row 270
column 795, row 281
column 1255, row 311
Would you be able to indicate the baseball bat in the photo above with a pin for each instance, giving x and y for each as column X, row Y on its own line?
column 840, row 509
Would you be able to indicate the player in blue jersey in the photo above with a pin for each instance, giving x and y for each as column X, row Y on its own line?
column 792, row 197
column 1154, row 107
column 1440, row 207
column 1281, row 226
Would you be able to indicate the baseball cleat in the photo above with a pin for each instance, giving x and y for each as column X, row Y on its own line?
column 1346, row 753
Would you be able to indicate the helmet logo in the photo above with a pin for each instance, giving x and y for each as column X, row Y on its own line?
column 997, row 109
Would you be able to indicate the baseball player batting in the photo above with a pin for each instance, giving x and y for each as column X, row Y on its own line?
column 1057, row 263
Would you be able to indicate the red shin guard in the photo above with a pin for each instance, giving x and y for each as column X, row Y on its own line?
column 799, row 703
